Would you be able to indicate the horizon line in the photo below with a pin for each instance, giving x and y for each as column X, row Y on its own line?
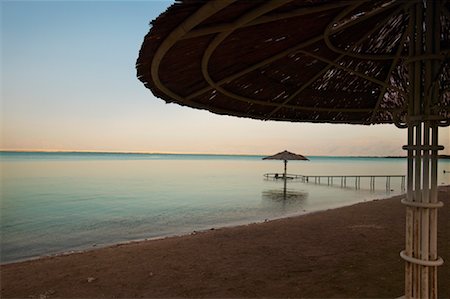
column 175, row 153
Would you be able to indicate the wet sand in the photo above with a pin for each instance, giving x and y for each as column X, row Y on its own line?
column 345, row 252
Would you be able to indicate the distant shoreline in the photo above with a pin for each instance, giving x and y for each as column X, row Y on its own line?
column 403, row 157
column 119, row 153
column 192, row 154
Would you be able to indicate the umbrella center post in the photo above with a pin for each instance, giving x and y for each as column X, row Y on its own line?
column 422, row 122
column 420, row 254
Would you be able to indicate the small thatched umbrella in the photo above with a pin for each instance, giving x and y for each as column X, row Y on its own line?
column 285, row 155
column 326, row 61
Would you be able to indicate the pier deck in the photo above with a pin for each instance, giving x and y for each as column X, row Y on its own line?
column 343, row 180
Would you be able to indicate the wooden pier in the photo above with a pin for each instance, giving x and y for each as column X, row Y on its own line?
column 280, row 176
column 334, row 180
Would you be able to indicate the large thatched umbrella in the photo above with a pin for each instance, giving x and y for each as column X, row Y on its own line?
column 334, row 61
column 286, row 156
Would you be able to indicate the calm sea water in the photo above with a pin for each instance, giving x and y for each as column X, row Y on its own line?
column 59, row 202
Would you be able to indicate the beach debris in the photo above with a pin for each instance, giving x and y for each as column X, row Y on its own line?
column 44, row 295
column 91, row 279
column 365, row 226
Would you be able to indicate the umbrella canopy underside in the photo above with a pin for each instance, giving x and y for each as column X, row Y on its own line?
column 309, row 61
column 285, row 155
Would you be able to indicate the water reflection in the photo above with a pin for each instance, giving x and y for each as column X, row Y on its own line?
column 284, row 195
column 285, row 200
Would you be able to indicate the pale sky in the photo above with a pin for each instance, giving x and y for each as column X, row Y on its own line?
column 69, row 83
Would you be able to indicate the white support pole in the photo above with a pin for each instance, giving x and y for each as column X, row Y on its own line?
column 433, row 212
column 420, row 254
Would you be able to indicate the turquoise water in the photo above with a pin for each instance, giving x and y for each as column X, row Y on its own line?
column 60, row 202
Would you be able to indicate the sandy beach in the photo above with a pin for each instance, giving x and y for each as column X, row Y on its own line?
column 345, row 252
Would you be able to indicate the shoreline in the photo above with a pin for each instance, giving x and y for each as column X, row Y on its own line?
column 190, row 233
column 350, row 251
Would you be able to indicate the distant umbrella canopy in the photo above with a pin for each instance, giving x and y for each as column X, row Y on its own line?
column 302, row 60
column 285, row 155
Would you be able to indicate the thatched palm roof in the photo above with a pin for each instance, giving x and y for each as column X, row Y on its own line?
column 285, row 155
column 303, row 60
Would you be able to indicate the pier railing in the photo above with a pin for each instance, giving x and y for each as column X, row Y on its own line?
column 334, row 180
column 289, row 176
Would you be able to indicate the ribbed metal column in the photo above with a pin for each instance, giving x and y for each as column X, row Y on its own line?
column 420, row 254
